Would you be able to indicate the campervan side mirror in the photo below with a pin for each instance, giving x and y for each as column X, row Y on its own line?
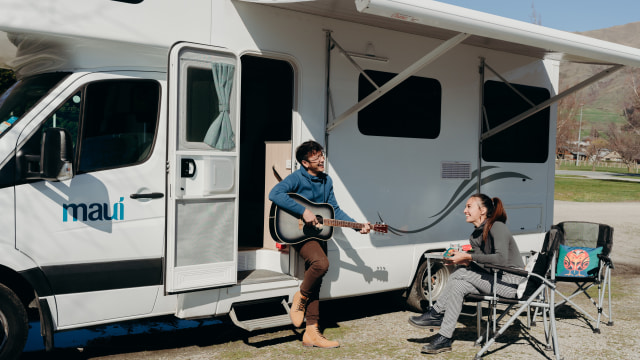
column 56, row 155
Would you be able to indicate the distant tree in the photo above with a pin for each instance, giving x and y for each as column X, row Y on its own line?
column 625, row 139
column 631, row 111
column 7, row 78
column 625, row 143
column 594, row 150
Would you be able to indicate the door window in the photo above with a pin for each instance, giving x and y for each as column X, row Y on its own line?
column 208, row 89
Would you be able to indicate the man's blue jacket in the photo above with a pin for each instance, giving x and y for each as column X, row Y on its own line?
column 318, row 189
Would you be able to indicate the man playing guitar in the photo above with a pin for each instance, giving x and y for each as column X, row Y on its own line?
column 311, row 182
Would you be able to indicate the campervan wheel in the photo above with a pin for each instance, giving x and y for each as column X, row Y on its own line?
column 418, row 299
column 13, row 324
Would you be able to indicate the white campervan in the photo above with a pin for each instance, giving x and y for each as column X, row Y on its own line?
column 142, row 137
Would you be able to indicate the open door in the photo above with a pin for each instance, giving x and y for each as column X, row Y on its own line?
column 202, row 150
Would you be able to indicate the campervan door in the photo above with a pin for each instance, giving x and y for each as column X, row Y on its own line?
column 203, row 148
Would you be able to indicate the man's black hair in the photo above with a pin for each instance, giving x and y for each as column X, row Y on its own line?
column 307, row 148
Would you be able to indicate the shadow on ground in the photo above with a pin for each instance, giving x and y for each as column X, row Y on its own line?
column 166, row 333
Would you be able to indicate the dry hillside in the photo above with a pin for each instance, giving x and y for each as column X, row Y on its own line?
column 612, row 93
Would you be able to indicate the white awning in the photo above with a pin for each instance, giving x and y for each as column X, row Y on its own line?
column 458, row 25
column 443, row 21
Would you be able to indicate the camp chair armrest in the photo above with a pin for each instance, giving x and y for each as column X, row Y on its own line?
column 510, row 270
column 605, row 259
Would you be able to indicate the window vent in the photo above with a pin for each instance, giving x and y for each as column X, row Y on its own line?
column 455, row 170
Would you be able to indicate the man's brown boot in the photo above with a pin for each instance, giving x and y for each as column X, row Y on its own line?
column 298, row 309
column 313, row 337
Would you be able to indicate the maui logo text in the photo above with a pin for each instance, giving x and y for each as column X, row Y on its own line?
column 93, row 212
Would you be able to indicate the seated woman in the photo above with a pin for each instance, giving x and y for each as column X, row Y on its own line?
column 492, row 243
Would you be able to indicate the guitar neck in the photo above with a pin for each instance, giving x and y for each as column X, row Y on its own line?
column 342, row 223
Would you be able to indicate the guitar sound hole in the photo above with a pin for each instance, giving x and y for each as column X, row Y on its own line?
column 313, row 230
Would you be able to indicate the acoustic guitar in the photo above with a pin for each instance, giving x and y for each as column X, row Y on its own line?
column 287, row 228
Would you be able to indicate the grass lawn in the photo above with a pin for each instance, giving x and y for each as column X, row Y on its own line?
column 593, row 190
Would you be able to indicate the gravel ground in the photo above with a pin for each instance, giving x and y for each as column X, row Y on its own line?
column 375, row 327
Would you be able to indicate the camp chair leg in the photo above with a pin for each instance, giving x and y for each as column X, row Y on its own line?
column 608, row 285
column 552, row 324
column 536, row 313
column 478, row 323
column 605, row 288
column 546, row 323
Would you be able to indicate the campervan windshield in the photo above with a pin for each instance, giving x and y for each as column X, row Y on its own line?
column 23, row 95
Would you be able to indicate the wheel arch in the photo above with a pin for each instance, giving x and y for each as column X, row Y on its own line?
column 20, row 274
column 20, row 286
column 422, row 259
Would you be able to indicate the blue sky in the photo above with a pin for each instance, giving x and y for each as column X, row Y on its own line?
column 568, row 15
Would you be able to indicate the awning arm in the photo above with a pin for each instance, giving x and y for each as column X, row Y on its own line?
column 549, row 102
column 506, row 82
column 409, row 71
column 355, row 65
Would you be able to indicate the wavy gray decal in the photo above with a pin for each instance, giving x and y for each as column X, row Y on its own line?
column 460, row 195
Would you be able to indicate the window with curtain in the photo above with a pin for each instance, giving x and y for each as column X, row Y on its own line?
column 208, row 105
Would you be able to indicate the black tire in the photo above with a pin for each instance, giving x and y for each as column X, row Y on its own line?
column 14, row 326
column 418, row 299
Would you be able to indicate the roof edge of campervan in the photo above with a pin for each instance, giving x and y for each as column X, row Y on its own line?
column 444, row 21
column 560, row 45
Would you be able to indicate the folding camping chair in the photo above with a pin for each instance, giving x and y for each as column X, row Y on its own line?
column 537, row 292
column 583, row 259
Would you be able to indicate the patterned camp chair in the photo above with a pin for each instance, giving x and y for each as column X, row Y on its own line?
column 583, row 259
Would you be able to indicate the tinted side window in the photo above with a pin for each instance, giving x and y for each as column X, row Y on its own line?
column 528, row 140
column 410, row 110
column 119, row 123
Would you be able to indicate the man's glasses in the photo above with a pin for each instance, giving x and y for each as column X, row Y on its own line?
column 317, row 158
